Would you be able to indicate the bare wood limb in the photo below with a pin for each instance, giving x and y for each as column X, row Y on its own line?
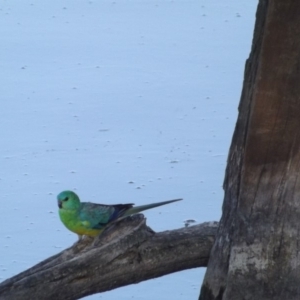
column 130, row 252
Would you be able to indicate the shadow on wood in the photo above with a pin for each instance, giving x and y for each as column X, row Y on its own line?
column 127, row 253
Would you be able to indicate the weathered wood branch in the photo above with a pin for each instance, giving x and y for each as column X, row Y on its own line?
column 130, row 252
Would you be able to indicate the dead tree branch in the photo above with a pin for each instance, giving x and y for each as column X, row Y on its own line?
column 130, row 252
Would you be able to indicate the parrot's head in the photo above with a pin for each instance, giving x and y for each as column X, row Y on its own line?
column 68, row 200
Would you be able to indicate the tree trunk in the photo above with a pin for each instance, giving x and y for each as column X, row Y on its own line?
column 128, row 253
column 256, row 254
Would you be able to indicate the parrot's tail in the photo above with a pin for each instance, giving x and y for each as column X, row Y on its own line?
column 137, row 209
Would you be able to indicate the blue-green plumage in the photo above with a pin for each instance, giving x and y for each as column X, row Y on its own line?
column 86, row 218
column 99, row 215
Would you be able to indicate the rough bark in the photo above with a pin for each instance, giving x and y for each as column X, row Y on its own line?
column 128, row 253
column 256, row 252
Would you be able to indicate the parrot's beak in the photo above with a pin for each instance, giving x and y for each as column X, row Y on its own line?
column 59, row 203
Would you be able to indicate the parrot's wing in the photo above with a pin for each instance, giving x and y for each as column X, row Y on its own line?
column 97, row 216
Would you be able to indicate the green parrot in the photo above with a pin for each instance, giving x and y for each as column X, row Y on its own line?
column 86, row 218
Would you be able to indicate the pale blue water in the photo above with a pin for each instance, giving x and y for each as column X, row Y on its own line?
column 97, row 94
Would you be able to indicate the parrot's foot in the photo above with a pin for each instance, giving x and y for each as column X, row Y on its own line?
column 83, row 240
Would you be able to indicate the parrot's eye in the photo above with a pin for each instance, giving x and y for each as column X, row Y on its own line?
column 66, row 199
